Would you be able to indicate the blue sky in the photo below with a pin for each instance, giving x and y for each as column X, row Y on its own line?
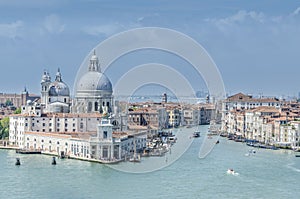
column 255, row 44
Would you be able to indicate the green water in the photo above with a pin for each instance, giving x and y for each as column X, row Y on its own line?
column 266, row 174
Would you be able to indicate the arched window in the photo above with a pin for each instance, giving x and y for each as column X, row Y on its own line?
column 96, row 106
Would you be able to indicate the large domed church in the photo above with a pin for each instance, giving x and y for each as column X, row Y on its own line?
column 93, row 92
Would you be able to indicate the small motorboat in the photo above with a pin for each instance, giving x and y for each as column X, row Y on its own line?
column 196, row 134
column 18, row 162
column 217, row 142
column 135, row 158
column 232, row 172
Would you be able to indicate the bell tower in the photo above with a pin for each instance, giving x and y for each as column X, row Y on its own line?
column 46, row 80
column 94, row 63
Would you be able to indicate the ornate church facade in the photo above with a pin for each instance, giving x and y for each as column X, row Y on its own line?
column 93, row 93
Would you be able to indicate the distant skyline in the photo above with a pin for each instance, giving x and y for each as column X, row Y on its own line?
column 255, row 44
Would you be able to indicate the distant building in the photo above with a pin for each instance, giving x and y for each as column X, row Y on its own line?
column 174, row 115
column 154, row 119
column 17, row 100
column 241, row 101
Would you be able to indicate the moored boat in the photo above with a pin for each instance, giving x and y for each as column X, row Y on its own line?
column 196, row 134
column 135, row 158
column 26, row 151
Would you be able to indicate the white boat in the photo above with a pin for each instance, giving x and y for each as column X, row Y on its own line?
column 135, row 158
column 196, row 134
column 232, row 172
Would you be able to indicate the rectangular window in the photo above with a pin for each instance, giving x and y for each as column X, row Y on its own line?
column 104, row 134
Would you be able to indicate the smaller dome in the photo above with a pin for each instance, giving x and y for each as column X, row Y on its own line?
column 29, row 102
column 58, row 89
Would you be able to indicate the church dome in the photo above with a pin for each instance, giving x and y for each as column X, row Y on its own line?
column 94, row 81
column 58, row 89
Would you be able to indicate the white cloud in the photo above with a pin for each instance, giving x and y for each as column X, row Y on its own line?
column 11, row 30
column 108, row 29
column 53, row 24
column 296, row 12
column 241, row 16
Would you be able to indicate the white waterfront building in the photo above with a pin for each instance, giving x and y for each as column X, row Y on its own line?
column 103, row 145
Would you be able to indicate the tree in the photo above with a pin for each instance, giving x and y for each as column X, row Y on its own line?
column 8, row 103
column 17, row 111
column 4, row 128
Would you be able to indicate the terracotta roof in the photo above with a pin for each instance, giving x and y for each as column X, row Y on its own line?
column 240, row 97
column 57, row 135
column 65, row 115
column 266, row 109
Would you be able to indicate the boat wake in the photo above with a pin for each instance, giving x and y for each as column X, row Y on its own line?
column 207, row 146
column 290, row 166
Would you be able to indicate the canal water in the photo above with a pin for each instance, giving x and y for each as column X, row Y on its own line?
column 264, row 174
